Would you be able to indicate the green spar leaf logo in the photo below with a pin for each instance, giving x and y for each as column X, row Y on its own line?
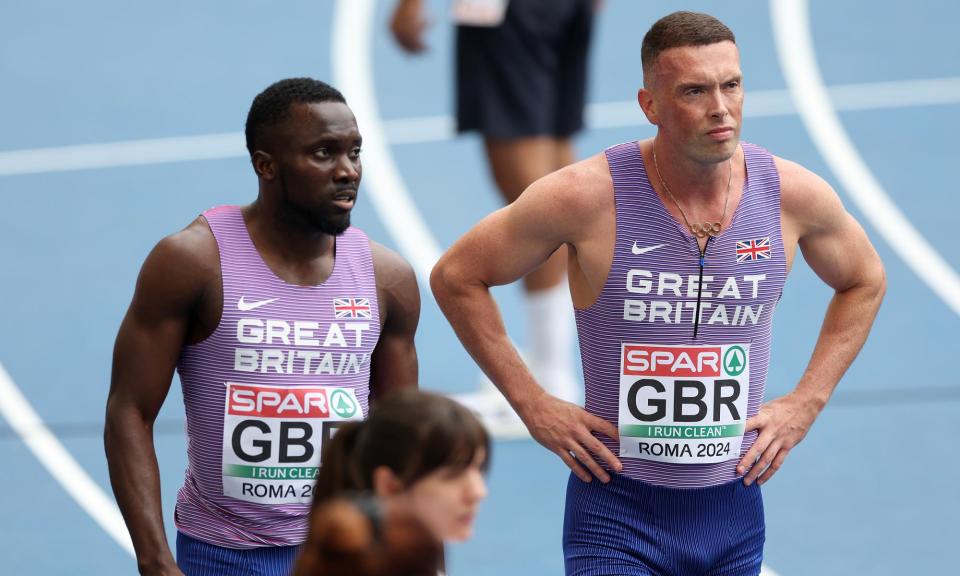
column 735, row 361
column 342, row 404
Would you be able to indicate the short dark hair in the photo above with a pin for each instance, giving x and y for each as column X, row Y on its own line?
column 681, row 29
column 272, row 106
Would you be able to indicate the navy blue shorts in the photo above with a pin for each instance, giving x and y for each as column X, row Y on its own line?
column 196, row 558
column 632, row 528
column 528, row 76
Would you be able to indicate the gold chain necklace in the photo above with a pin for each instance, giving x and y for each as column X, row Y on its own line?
column 698, row 230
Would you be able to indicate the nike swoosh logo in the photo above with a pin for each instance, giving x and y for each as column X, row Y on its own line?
column 638, row 250
column 247, row 306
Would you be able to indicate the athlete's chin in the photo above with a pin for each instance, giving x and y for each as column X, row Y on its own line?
column 717, row 152
column 334, row 226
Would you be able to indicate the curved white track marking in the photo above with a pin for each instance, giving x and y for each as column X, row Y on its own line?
column 797, row 58
column 61, row 465
column 352, row 62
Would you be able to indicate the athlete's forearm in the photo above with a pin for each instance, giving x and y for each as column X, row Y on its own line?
column 843, row 332
column 473, row 313
column 135, row 477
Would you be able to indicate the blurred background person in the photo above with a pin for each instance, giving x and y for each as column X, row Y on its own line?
column 521, row 76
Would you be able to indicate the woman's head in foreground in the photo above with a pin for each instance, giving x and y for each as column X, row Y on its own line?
column 356, row 536
column 416, row 450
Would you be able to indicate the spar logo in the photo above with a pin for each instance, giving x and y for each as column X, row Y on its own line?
column 682, row 362
column 295, row 402
column 671, row 361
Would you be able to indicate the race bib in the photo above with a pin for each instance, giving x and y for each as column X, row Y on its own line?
column 683, row 404
column 274, row 436
column 485, row 13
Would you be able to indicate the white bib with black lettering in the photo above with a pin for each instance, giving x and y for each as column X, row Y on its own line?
column 273, row 438
column 683, row 404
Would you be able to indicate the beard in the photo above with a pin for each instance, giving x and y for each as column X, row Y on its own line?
column 331, row 223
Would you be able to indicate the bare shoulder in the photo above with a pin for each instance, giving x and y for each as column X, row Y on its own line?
column 808, row 202
column 391, row 269
column 574, row 199
column 580, row 185
column 396, row 283
column 182, row 266
column 194, row 248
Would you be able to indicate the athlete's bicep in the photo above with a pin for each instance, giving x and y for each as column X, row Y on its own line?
column 842, row 257
column 511, row 242
column 832, row 242
column 507, row 245
column 393, row 364
column 154, row 329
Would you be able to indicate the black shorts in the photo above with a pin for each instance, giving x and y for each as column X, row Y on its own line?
column 527, row 76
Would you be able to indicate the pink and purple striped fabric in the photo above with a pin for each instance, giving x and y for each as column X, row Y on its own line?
column 651, row 292
column 275, row 341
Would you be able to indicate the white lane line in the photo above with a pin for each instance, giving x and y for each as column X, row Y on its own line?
column 59, row 463
column 798, row 60
column 352, row 61
column 123, row 153
column 418, row 130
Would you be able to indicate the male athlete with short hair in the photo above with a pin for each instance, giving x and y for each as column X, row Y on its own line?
column 679, row 247
column 283, row 322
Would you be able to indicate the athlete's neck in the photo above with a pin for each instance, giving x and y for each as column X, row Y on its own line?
column 692, row 179
column 298, row 254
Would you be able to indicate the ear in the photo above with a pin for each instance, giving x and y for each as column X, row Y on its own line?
column 645, row 99
column 385, row 482
column 264, row 165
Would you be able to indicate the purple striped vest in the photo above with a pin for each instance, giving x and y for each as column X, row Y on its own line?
column 680, row 400
column 284, row 368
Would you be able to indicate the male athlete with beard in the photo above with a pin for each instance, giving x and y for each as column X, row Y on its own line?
column 283, row 322
column 679, row 247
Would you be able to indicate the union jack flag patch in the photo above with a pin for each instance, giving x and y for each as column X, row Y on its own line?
column 752, row 250
column 351, row 308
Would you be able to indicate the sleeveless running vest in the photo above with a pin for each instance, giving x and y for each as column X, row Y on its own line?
column 676, row 348
column 284, row 368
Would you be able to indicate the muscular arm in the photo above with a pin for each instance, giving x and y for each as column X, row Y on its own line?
column 155, row 328
column 394, row 362
column 559, row 209
column 839, row 252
